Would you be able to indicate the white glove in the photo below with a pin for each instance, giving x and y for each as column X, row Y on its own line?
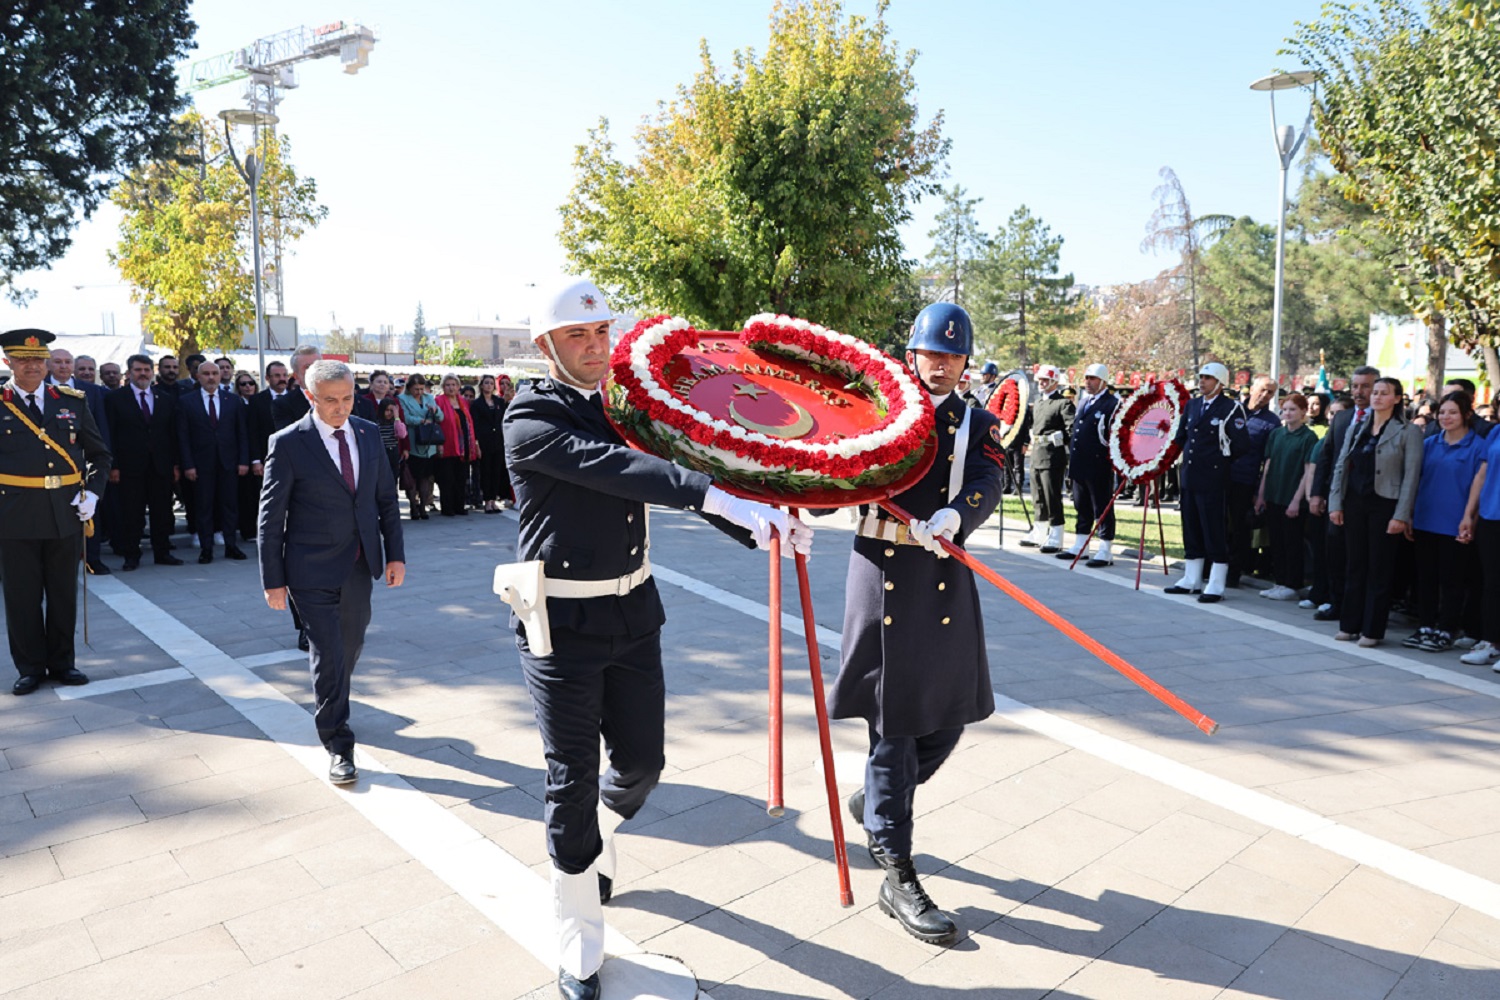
column 943, row 525
column 85, row 503
column 1056, row 438
column 760, row 520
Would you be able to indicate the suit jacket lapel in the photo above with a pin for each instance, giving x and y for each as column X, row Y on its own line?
column 308, row 431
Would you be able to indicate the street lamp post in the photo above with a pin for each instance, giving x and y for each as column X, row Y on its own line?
column 1288, row 141
column 250, row 171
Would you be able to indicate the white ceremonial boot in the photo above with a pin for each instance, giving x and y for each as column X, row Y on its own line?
column 1071, row 552
column 580, row 933
column 1104, row 555
column 1192, row 578
column 1218, row 576
column 1033, row 538
column 609, row 825
column 1054, row 540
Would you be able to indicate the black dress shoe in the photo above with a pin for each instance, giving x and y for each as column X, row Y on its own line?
column 574, row 989
column 25, row 684
column 1331, row 615
column 1174, row 589
column 230, row 552
column 1097, row 563
column 606, row 889
column 205, row 557
column 131, row 565
column 1210, row 598
column 72, row 677
column 302, row 642
column 341, row 769
column 901, row 896
column 1028, row 543
column 167, row 559
column 1048, row 550
column 1065, row 554
column 96, row 567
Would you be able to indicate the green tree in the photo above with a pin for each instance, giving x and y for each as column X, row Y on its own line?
column 1408, row 115
column 1022, row 306
column 459, row 356
column 957, row 240
column 778, row 184
column 1175, row 228
column 421, row 343
column 87, row 92
column 185, row 236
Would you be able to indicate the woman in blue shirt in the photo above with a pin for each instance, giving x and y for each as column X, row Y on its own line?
column 1446, row 569
column 1481, row 526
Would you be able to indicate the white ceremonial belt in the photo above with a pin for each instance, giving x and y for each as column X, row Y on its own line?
column 616, row 587
column 874, row 526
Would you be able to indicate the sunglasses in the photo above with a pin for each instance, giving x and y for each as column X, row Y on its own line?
column 242, row 385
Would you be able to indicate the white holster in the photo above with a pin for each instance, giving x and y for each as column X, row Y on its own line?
column 524, row 587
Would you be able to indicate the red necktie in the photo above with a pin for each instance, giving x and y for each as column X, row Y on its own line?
column 145, row 406
column 346, row 461
column 1359, row 416
column 213, row 412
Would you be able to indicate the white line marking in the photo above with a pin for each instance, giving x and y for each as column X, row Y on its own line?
column 507, row 892
column 115, row 684
column 272, row 658
column 1398, row 862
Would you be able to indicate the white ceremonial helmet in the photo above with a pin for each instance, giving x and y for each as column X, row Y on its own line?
column 1214, row 370
column 1096, row 371
column 570, row 301
column 1046, row 371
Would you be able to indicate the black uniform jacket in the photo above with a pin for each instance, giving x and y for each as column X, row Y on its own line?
column 31, row 512
column 1050, row 413
column 1089, row 444
column 914, row 659
column 581, row 493
column 1204, row 464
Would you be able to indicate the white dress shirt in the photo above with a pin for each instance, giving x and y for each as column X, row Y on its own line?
column 332, row 444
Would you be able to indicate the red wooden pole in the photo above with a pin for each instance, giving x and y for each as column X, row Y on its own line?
column 774, row 804
column 1072, row 631
column 1140, row 549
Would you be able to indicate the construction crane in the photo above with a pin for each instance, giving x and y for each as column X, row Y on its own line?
column 269, row 64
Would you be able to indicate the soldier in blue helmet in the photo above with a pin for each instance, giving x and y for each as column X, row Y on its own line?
column 989, row 381
column 914, row 665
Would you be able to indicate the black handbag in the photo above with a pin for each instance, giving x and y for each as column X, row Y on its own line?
column 428, row 432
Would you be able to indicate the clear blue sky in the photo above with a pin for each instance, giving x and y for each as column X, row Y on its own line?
column 443, row 162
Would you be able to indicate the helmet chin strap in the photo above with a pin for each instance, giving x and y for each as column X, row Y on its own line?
column 556, row 359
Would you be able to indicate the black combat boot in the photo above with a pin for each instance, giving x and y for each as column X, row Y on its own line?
column 902, row 896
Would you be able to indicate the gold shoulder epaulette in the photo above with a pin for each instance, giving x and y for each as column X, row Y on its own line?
column 71, row 391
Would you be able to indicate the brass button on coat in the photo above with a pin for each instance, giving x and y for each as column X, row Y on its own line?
column 889, row 585
column 887, row 619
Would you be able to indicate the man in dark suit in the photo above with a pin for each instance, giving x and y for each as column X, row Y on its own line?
column 143, row 416
column 189, row 382
column 1360, row 385
column 292, row 406
column 166, row 373
column 60, row 372
column 213, row 447
column 329, row 525
column 53, row 466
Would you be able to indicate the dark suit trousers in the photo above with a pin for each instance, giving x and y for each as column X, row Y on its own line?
column 1047, row 493
column 216, row 493
column 248, row 497
column 1091, row 496
column 336, row 619
column 1370, row 564
column 1204, row 529
column 594, row 686
column 38, row 569
column 137, row 493
column 896, row 766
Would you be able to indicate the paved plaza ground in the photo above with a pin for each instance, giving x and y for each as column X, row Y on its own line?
column 167, row 831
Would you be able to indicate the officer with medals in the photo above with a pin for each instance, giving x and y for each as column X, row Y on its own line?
column 53, row 467
column 914, row 664
column 588, row 614
column 1051, row 420
column 1092, row 470
column 1211, row 433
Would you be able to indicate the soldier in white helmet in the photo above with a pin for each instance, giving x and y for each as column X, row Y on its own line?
column 1212, row 432
column 591, row 645
column 1092, row 471
column 1051, row 420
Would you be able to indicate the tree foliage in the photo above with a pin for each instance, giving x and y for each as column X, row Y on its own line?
column 956, row 241
column 87, row 92
column 185, row 236
column 777, row 184
column 1174, row 227
column 422, row 347
column 1022, row 306
column 1134, row 327
column 1409, row 114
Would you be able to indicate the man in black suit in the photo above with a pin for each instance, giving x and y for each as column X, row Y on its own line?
column 292, row 406
column 143, row 416
column 60, row 372
column 189, row 382
column 54, row 466
column 166, row 373
column 330, row 524
column 213, row 447
column 262, row 426
column 1360, row 385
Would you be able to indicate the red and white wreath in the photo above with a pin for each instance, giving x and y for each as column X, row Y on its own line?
column 1143, row 433
column 1010, row 401
column 648, row 401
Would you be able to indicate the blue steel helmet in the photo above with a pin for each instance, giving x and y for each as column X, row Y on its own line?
column 944, row 327
column 990, row 368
